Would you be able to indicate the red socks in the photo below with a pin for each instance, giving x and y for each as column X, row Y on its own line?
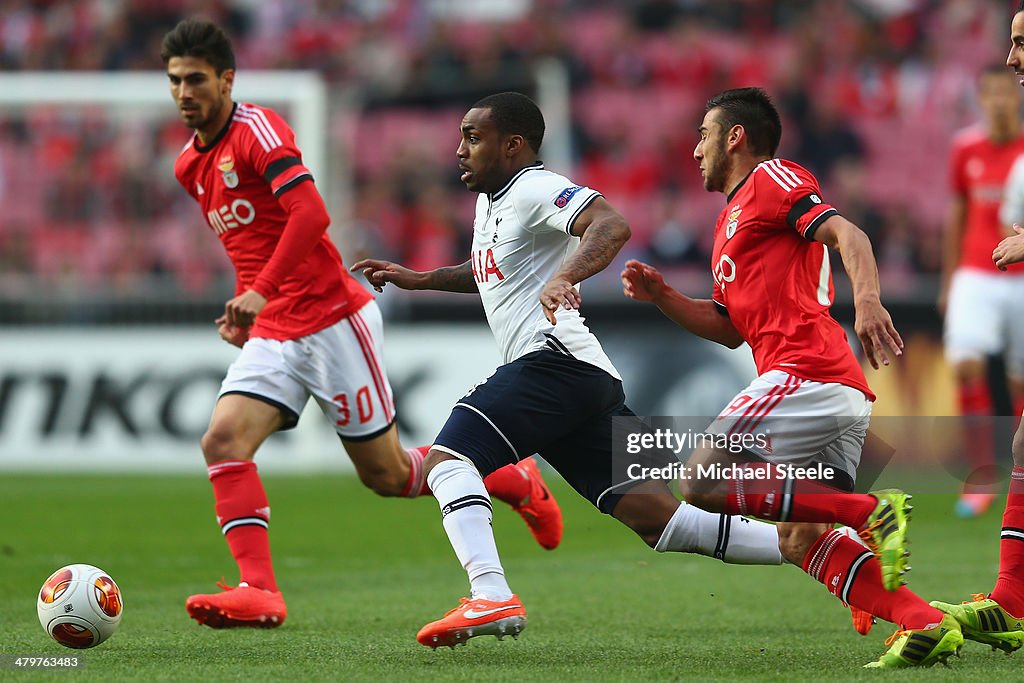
column 417, row 484
column 978, row 439
column 1009, row 590
column 761, row 494
column 508, row 484
column 243, row 515
column 851, row 573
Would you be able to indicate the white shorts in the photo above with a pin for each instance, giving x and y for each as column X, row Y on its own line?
column 785, row 419
column 341, row 367
column 983, row 318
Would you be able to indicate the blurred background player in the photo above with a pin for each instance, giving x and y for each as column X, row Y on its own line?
column 997, row 619
column 980, row 304
column 536, row 235
column 304, row 325
column 773, row 289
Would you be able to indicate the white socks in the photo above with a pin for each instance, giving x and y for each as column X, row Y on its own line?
column 466, row 515
column 730, row 538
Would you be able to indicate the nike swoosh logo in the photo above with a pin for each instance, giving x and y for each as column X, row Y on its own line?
column 545, row 492
column 473, row 614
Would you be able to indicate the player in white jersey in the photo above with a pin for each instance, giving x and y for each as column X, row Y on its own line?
column 536, row 236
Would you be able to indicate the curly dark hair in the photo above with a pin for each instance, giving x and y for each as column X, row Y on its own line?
column 514, row 113
column 197, row 37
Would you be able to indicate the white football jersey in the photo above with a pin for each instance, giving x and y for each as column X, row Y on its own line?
column 520, row 240
column 1012, row 209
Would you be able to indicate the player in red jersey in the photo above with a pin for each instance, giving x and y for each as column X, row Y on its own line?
column 997, row 619
column 305, row 327
column 810, row 405
column 980, row 303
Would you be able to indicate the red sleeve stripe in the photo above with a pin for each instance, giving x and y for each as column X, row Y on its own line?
column 260, row 127
column 786, row 179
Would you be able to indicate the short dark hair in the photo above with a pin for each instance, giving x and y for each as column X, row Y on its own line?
column 197, row 37
column 514, row 113
column 753, row 109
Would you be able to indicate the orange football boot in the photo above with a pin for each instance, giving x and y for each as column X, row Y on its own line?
column 472, row 618
column 539, row 509
column 238, row 606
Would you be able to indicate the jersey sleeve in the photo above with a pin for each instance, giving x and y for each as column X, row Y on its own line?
column 550, row 203
column 272, row 150
column 718, row 298
column 1012, row 209
column 795, row 192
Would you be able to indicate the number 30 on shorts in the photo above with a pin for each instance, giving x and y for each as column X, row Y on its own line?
column 364, row 407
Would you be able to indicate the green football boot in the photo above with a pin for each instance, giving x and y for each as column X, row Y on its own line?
column 983, row 620
column 886, row 534
column 921, row 647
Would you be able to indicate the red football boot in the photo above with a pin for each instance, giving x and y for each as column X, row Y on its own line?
column 238, row 606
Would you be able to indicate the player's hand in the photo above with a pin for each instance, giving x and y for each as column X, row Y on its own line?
column 243, row 309
column 877, row 334
column 558, row 292
column 236, row 336
column 1010, row 250
column 641, row 281
column 378, row 273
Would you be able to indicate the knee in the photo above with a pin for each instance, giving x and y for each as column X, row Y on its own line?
column 221, row 443
column 383, row 481
column 796, row 540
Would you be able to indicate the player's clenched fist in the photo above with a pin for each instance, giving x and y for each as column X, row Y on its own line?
column 1010, row 250
column 641, row 281
column 243, row 309
column 236, row 336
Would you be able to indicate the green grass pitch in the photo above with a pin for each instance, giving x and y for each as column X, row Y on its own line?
column 361, row 574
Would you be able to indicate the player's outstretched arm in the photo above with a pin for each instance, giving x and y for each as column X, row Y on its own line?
column 1010, row 250
column 872, row 323
column 602, row 231
column 699, row 316
column 448, row 279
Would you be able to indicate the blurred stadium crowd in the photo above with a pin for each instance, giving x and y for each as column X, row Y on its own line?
column 872, row 91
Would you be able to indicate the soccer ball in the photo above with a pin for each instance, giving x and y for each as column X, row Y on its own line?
column 79, row 606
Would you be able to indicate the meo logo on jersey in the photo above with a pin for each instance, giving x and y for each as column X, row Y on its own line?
column 240, row 212
column 725, row 270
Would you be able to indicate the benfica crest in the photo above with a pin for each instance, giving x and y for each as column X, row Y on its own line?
column 227, row 170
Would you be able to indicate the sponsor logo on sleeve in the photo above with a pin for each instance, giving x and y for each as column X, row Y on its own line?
column 562, row 200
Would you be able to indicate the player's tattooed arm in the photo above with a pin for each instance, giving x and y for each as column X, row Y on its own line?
column 602, row 231
column 448, row 279
column 872, row 322
column 453, row 279
column 702, row 317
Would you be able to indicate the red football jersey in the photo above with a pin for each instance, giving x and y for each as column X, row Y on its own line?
column 775, row 282
column 237, row 179
column 978, row 169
